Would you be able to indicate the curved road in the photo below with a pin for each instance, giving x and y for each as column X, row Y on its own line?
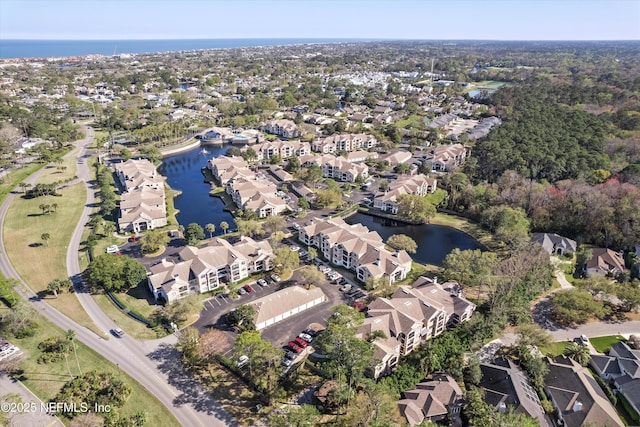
column 156, row 364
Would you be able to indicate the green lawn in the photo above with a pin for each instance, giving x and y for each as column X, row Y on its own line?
column 555, row 349
column 603, row 344
column 23, row 227
column 436, row 197
column 46, row 380
column 134, row 328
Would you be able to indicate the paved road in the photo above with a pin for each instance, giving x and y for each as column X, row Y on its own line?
column 597, row 329
column 33, row 415
column 155, row 365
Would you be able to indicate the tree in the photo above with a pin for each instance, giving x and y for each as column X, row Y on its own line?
column 285, row 259
column 93, row 388
column 274, row 223
column 20, row 320
column 242, row 317
column 188, row 345
column 531, row 334
column 469, row 267
column 372, row 406
column 295, row 416
column 312, row 252
column 224, row 225
column 58, row 284
column 210, row 229
column 153, row 241
column 45, row 238
column 108, row 228
column 583, row 255
column 415, row 208
column 312, row 276
column 576, row 306
column 347, row 356
column 473, row 373
column 114, row 273
column 263, row 365
column 402, row 242
column 194, row 233
column 303, row 203
column 579, row 353
column 249, row 227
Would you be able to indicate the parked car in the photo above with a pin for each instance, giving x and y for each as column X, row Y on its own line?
column 294, row 347
column 345, row 288
column 358, row 306
column 286, row 362
column 584, row 341
column 248, row 288
column 310, row 332
column 241, row 291
column 242, row 361
column 112, row 249
column 308, row 338
column 262, row 282
column 295, row 248
column 302, row 343
column 290, row 355
column 117, row 332
column 275, row 278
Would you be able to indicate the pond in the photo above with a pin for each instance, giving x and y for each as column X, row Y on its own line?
column 183, row 172
column 434, row 241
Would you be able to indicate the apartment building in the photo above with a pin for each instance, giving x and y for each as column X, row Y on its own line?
column 282, row 149
column 421, row 185
column 356, row 248
column 344, row 142
column 337, row 168
column 142, row 201
column 199, row 270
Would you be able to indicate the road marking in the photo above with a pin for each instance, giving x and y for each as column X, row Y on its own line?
column 216, row 301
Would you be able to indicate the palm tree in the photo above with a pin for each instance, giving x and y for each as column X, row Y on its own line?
column 45, row 237
column 225, row 226
column 24, row 186
column 580, row 354
column 71, row 335
column 54, row 206
column 42, row 207
column 210, row 229
column 48, row 209
column 54, row 286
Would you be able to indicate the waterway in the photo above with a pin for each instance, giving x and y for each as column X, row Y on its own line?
column 183, row 172
column 434, row 242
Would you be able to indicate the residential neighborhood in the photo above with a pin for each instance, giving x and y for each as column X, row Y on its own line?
column 355, row 233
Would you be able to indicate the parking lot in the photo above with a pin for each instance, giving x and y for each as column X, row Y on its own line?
column 279, row 334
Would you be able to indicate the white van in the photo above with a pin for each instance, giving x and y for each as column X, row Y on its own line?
column 112, row 249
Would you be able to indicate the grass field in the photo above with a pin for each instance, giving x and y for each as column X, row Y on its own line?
column 46, row 380
column 603, row 344
column 52, row 173
column 39, row 262
column 134, row 328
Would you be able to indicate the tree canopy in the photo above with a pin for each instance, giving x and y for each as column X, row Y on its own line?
column 114, row 273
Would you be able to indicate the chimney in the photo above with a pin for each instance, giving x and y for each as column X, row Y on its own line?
column 577, row 406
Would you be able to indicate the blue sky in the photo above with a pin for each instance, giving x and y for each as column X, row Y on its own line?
column 379, row 19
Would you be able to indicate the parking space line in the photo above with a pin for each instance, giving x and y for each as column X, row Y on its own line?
column 211, row 304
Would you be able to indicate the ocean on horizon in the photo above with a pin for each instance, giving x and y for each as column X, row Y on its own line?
column 59, row 48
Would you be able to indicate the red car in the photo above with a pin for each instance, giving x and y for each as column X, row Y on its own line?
column 302, row 343
column 295, row 347
column 248, row 288
column 358, row 306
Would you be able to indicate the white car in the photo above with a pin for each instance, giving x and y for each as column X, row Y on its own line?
column 295, row 248
column 306, row 337
column 275, row 278
column 262, row 282
column 242, row 361
column 113, row 249
column 345, row 288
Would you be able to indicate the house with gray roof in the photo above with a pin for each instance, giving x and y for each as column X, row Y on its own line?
column 507, row 387
column 621, row 368
column 554, row 244
column 576, row 396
